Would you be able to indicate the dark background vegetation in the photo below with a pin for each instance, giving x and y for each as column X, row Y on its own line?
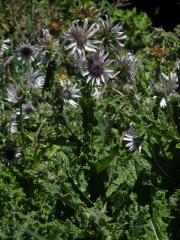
column 163, row 13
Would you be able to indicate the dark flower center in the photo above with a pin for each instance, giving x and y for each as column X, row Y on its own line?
column 80, row 38
column 26, row 51
column 96, row 69
column 66, row 94
column 28, row 110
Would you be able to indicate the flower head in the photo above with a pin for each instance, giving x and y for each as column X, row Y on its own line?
column 70, row 93
column 159, row 52
column 84, row 11
column 171, row 82
column 4, row 46
column 13, row 125
column 112, row 35
column 80, row 38
column 25, row 53
column 11, row 155
column 127, row 66
column 47, row 47
column 96, row 68
column 130, row 136
column 13, row 93
column 35, row 79
column 27, row 110
column 163, row 103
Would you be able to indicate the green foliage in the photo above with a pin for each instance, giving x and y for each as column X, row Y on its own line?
column 76, row 178
column 137, row 27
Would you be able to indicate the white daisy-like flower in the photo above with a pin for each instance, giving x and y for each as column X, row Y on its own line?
column 13, row 93
column 70, row 93
column 96, row 68
column 111, row 35
column 4, row 46
column 163, row 103
column 25, row 53
column 79, row 37
column 130, row 136
column 35, row 79
column 27, row 110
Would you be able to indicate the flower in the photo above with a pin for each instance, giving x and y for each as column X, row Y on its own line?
column 96, row 69
column 127, row 65
column 130, row 136
column 159, row 52
column 47, row 47
column 163, row 103
column 27, row 110
column 79, row 38
column 111, row 35
column 70, row 93
column 13, row 125
column 11, row 155
column 4, row 46
column 25, row 53
column 97, row 94
column 171, row 82
column 35, row 79
column 56, row 25
column 178, row 64
column 13, row 93
column 63, row 78
column 84, row 11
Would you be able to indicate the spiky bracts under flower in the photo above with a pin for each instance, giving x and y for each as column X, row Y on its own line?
column 96, row 68
column 79, row 36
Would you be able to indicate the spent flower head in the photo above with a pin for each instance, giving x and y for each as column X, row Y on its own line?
column 84, row 11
